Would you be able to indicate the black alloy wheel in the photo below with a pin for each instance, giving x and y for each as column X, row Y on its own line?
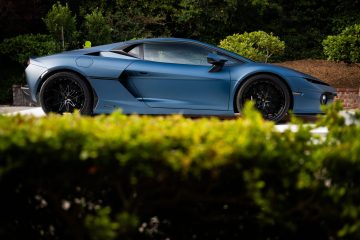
column 65, row 92
column 269, row 94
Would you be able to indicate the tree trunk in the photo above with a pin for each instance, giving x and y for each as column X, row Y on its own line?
column 62, row 38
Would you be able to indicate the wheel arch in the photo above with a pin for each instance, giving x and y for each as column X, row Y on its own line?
column 82, row 76
column 260, row 73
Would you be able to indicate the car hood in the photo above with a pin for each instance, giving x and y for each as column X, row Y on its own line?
column 283, row 71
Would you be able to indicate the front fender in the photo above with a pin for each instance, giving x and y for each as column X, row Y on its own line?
column 240, row 73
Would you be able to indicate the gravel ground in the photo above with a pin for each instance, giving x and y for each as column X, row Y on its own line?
column 337, row 74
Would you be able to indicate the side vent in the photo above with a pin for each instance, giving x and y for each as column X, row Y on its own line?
column 93, row 54
column 124, row 80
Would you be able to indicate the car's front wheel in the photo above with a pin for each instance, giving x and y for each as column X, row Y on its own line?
column 64, row 92
column 269, row 94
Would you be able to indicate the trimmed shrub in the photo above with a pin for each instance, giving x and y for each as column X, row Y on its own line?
column 345, row 46
column 132, row 177
column 21, row 47
column 258, row 46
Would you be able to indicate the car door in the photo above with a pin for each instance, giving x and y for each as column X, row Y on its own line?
column 176, row 75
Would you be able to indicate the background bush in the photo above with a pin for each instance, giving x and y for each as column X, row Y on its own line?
column 14, row 53
column 11, row 72
column 97, row 28
column 132, row 177
column 21, row 47
column 258, row 46
column 345, row 46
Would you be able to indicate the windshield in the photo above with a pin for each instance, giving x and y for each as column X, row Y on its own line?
column 232, row 54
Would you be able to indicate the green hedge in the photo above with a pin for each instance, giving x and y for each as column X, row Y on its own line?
column 142, row 177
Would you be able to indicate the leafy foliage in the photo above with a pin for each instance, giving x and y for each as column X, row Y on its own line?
column 17, row 51
column 142, row 177
column 61, row 24
column 198, row 18
column 302, row 24
column 97, row 28
column 11, row 73
column 21, row 47
column 87, row 44
column 100, row 225
column 258, row 46
column 345, row 46
column 137, row 19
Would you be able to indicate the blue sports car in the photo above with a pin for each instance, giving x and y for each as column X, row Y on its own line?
column 167, row 76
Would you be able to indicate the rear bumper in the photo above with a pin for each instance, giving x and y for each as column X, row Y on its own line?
column 34, row 74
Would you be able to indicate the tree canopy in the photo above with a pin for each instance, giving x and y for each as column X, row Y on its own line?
column 301, row 24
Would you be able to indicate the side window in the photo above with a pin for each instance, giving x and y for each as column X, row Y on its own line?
column 181, row 53
column 135, row 51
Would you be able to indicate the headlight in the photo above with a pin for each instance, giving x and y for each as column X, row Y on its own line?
column 323, row 99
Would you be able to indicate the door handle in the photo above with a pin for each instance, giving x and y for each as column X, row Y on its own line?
column 143, row 73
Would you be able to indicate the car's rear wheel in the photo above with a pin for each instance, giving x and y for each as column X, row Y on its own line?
column 269, row 94
column 65, row 92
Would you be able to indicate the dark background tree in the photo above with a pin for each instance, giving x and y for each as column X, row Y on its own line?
column 301, row 24
column 96, row 28
column 61, row 24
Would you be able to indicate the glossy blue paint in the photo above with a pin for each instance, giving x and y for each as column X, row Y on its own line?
column 139, row 86
column 182, row 85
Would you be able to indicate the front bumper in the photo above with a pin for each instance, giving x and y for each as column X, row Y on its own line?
column 309, row 96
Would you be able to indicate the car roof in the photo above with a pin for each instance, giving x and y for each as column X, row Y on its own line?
column 172, row 40
column 146, row 40
column 112, row 46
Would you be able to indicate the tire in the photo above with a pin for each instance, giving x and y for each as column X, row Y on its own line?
column 269, row 93
column 64, row 92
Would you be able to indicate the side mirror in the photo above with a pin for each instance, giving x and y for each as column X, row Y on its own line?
column 217, row 62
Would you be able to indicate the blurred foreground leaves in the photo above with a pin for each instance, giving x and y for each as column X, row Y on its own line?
column 143, row 177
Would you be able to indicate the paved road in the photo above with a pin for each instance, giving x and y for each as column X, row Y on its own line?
column 35, row 111
column 11, row 109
